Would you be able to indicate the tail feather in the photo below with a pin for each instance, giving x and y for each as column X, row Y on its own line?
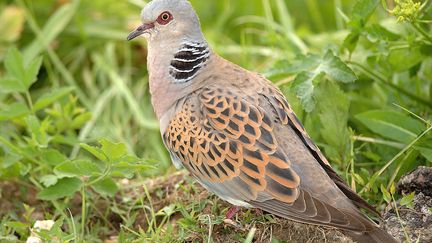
column 375, row 236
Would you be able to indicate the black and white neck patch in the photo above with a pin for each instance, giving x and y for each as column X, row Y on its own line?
column 188, row 60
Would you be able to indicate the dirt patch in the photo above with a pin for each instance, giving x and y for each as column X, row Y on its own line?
column 413, row 222
column 419, row 181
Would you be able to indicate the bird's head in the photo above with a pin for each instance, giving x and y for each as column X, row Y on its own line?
column 168, row 19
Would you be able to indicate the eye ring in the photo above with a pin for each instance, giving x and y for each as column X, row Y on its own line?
column 164, row 18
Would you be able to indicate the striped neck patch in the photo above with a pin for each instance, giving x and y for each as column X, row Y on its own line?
column 188, row 60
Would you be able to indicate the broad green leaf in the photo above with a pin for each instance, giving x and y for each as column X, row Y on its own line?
column 13, row 111
column 25, row 169
column 9, row 85
column 95, row 151
column 53, row 157
column 333, row 108
column 9, row 160
column 361, row 13
column 106, row 187
column 407, row 200
column 363, row 10
column 392, row 125
column 304, row 87
column 17, row 70
column 48, row 180
column 32, row 71
column 112, row 150
column 301, row 64
column 77, row 168
column 65, row 187
column 377, row 32
column 38, row 130
column 127, row 169
column 51, row 97
column 427, row 153
column 14, row 64
column 335, row 68
column 402, row 59
column 330, row 65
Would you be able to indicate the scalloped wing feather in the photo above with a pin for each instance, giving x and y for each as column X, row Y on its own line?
column 228, row 142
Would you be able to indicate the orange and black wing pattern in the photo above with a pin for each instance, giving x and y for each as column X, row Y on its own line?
column 229, row 142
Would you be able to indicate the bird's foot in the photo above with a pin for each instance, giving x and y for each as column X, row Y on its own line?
column 257, row 211
column 232, row 211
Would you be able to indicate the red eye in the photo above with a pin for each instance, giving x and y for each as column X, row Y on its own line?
column 164, row 18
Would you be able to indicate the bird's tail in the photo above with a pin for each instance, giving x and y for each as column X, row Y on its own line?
column 376, row 235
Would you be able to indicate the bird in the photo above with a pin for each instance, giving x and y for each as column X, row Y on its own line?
column 236, row 133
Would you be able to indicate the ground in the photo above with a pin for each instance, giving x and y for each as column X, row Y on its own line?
column 194, row 214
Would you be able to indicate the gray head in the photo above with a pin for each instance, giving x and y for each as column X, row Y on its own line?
column 168, row 20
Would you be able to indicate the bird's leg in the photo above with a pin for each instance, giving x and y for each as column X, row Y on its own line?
column 232, row 211
column 258, row 211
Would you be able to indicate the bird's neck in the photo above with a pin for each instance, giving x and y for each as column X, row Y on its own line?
column 173, row 68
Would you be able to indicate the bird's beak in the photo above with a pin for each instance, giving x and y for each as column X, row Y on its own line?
column 140, row 30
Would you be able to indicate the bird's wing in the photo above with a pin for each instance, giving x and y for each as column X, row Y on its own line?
column 288, row 118
column 229, row 142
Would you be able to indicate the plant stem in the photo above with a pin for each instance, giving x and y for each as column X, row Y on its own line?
column 29, row 100
column 382, row 80
column 398, row 155
column 422, row 31
column 83, row 212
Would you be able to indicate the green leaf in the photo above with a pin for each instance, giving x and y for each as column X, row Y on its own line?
column 301, row 64
column 363, row 10
column 95, row 151
column 53, row 27
column 48, row 180
column 333, row 112
column 405, row 59
column 106, row 187
column 51, row 97
column 377, row 32
column 335, row 68
column 426, row 152
column 330, row 65
column 14, row 65
column 304, row 87
column 65, row 187
column 81, row 119
column 53, row 157
column 9, row 85
column 113, row 151
column 17, row 70
column 392, row 125
column 77, row 168
column 32, row 72
column 392, row 189
column 386, row 195
column 13, row 111
column 407, row 200
column 38, row 130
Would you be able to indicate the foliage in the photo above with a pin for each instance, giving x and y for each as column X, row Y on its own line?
column 358, row 74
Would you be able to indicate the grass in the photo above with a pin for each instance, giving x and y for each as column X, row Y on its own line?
column 369, row 110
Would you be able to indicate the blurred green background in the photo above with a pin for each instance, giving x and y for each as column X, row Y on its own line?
column 357, row 72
